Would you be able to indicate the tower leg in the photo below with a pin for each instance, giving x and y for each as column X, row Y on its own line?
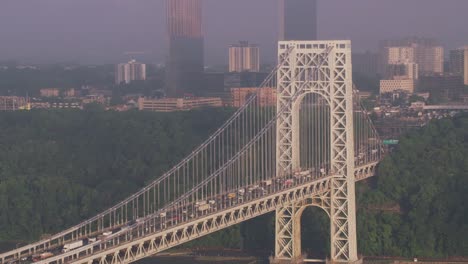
column 288, row 234
column 343, row 222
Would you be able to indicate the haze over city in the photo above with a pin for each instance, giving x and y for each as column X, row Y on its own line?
column 233, row 131
column 89, row 31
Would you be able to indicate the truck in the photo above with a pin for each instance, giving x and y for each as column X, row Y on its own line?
column 71, row 246
column 203, row 207
column 232, row 195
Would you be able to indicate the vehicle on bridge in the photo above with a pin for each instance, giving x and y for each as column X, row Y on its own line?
column 71, row 246
column 42, row 256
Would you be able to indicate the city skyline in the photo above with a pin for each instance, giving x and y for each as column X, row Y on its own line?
column 35, row 36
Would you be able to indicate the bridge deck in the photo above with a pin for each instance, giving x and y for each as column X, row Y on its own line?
column 156, row 234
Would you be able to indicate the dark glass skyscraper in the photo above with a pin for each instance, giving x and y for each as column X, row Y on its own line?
column 185, row 61
column 298, row 19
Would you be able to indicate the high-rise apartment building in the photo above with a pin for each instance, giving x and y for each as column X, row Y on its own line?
column 430, row 59
column 401, row 55
column 298, row 19
column 131, row 71
column 244, row 57
column 185, row 61
column 459, row 63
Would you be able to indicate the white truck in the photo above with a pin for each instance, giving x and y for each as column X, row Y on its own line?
column 71, row 246
column 204, row 207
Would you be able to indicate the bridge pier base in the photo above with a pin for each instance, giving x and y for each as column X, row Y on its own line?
column 359, row 261
column 298, row 260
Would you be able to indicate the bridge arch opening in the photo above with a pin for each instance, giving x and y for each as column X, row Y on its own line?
column 315, row 232
column 313, row 135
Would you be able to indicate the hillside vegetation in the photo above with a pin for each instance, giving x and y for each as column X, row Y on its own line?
column 60, row 167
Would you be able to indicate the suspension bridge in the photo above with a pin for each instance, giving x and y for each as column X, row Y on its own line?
column 308, row 147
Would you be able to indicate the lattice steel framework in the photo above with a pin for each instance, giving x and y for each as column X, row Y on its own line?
column 324, row 68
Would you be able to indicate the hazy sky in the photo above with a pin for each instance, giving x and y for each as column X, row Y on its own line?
column 101, row 31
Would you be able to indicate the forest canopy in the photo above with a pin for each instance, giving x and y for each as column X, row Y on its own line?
column 60, row 167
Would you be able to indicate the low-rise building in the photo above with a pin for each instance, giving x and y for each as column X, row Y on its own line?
column 265, row 96
column 389, row 86
column 177, row 104
column 14, row 103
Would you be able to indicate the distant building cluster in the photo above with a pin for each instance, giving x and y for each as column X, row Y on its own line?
column 130, row 71
column 426, row 53
column 405, row 61
column 401, row 68
column 185, row 60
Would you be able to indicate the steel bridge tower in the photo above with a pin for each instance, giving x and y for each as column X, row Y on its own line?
column 322, row 68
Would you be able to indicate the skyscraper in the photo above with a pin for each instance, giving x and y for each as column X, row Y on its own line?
column 244, row 57
column 185, row 61
column 298, row 19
